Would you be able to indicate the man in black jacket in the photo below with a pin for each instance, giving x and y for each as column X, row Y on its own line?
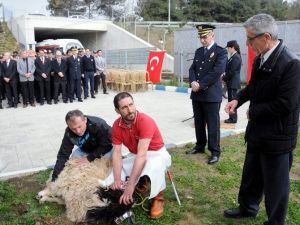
column 59, row 67
column 273, row 116
column 91, row 134
column 10, row 77
column 89, row 69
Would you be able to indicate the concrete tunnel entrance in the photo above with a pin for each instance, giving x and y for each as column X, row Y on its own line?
column 89, row 38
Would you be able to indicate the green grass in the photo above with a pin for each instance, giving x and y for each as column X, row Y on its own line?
column 205, row 191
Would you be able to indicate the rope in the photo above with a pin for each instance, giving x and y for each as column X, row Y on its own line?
column 142, row 202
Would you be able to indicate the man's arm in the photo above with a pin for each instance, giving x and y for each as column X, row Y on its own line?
column 117, row 167
column 62, row 156
column 138, row 166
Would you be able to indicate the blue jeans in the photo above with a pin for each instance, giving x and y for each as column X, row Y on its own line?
column 79, row 153
column 88, row 76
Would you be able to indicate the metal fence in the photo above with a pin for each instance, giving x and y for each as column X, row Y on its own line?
column 127, row 58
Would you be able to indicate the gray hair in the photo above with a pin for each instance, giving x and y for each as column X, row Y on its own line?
column 73, row 113
column 263, row 23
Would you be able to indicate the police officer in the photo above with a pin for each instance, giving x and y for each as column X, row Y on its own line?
column 75, row 71
column 204, row 76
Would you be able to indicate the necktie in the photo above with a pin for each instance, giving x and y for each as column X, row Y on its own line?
column 26, row 65
column 261, row 61
column 205, row 51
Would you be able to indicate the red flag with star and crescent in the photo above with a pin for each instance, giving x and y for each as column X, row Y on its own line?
column 154, row 66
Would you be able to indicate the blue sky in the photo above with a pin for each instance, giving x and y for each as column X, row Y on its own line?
column 21, row 7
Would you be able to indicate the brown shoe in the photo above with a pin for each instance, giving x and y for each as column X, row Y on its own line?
column 157, row 208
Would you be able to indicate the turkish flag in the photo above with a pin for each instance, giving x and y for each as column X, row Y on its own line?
column 154, row 66
column 251, row 56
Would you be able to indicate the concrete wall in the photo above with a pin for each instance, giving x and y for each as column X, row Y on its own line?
column 186, row 42
column 93, row 34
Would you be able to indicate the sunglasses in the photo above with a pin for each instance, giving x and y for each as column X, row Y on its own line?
column 249, row 39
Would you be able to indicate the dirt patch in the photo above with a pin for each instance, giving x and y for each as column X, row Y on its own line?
column 190, row 219
column 25, row 184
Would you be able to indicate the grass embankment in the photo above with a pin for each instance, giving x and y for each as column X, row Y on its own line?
column 205, row 191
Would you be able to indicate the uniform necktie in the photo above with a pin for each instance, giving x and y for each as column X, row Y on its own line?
column 205, row 51
column 26, row 60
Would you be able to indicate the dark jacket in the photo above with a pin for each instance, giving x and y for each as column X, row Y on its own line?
column 74, row 67
column 41, row 67
column 56, row 68
column 207, row 70
column 10, row 71
column 97, row 144
column 274, row 95
column 88, row 64
column 232, row 72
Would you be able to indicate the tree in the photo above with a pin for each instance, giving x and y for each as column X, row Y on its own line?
column 294, row 11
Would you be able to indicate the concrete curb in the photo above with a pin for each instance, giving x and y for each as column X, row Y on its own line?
column 159, row 87
column 9, row 175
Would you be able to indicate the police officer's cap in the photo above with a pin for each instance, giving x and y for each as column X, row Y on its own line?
column 204, row 29
column 231, row 43
column 74, row 49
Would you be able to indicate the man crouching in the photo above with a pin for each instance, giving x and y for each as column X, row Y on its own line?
column 91, row 134
column 148, row 155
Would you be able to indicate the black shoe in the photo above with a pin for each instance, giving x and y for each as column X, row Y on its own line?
column 229, row 121
column 65, row 101
column 93, row 96
column 42, row 103
column 80, row 100
column 15, row 106
column 194, row 151
column 85, row 97
column 71, row 100
column 9, row 106
column 1, row 106
column 105, row 93
column 55, row 101
column 237, row 213
column 213, row 159
column 49, row 103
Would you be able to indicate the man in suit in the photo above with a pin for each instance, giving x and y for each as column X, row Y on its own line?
column 42, row 75
column 26, row 69
column 273, row 118
column 9, row 69
column 89, row 70
column 232, row 74
column 100, row 67
column 74, row 63
column 59, row 67
column 204, row 76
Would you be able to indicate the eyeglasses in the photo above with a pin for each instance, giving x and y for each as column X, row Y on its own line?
column 249, row 39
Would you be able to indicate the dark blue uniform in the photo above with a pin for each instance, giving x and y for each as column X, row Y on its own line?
column 206, row 70
column 232, row 80
column 75, row 71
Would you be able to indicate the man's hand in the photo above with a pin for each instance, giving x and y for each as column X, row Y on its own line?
column 230, row 107
column 118, row 185
column 82, row 161
column 82, row 75
column 195, row 86
column 60, row 74
column 126, row 198
column 44, row 75
column 6, row 79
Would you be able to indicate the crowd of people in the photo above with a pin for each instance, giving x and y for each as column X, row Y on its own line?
column 42, row 77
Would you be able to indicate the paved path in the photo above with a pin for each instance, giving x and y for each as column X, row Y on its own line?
column 30, row 137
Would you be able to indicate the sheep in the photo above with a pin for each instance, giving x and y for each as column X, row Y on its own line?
column 76, row 187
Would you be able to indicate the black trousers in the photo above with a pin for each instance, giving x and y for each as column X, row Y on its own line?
column 103, row 81
column 63, row 86
column 75, row 85
column 207, row 113
column 232, row 94
column 44, row 85
column 1, row 90
column 266, row 174
column 11, row 92
column 27, row 91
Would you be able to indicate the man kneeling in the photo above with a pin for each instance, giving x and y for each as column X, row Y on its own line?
column 148, row 155
column 91, row 134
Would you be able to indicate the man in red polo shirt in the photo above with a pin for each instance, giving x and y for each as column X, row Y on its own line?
column 148, row 155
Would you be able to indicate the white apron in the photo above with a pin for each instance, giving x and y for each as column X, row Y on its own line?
column 155, row 168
